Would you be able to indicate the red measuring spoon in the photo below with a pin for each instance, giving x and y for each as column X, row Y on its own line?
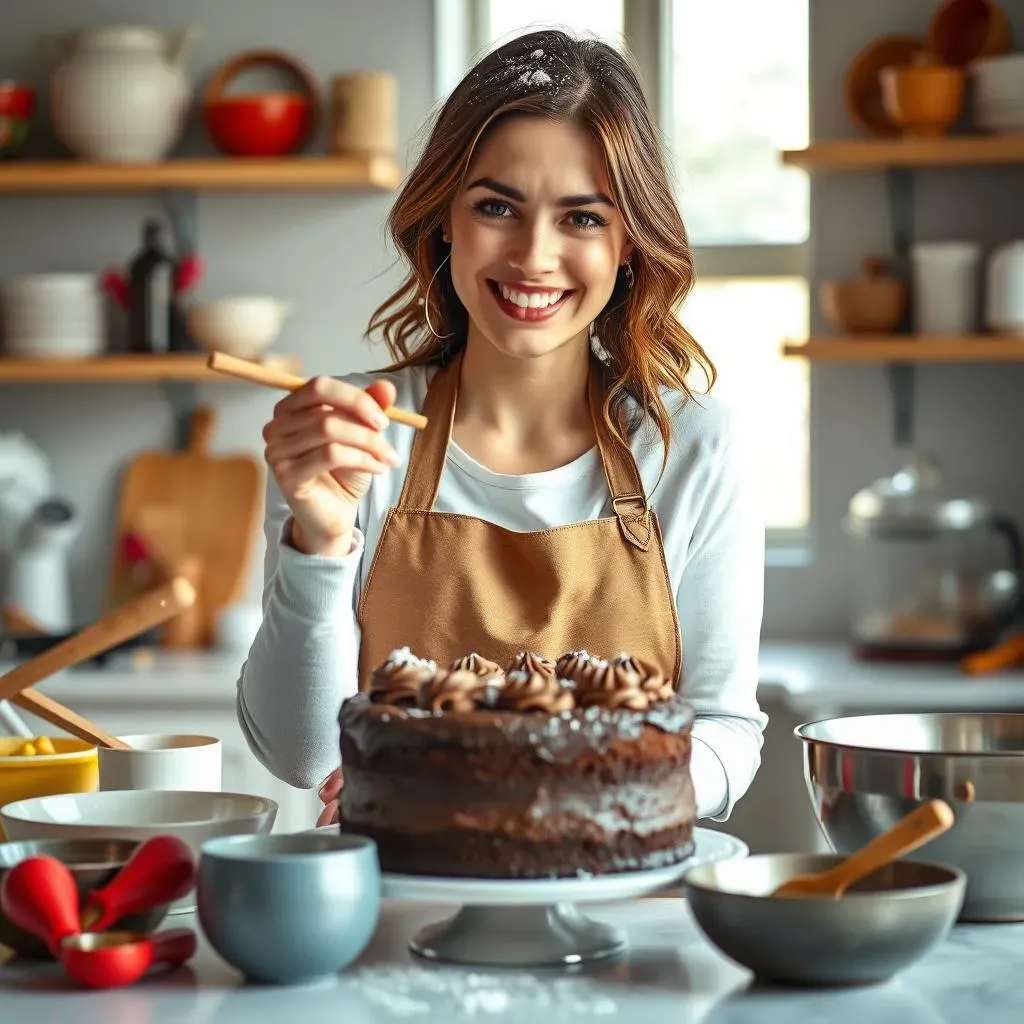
column 114, row 959
column 161, row 870
column 39, row 895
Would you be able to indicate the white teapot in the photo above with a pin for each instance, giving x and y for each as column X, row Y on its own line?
column 119, row 93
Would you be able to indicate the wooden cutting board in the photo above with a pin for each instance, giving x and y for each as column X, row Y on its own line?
column 200, row 514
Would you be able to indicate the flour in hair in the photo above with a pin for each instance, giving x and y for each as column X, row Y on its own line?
column 535, row 78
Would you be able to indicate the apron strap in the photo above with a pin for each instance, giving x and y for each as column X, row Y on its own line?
column 430, row 449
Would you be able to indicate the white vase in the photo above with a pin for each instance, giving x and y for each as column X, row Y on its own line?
column 121, row 93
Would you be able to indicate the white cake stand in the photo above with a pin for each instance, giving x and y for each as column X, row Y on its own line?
column 535, row 923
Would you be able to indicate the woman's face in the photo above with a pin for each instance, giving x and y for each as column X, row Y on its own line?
column 536, row 242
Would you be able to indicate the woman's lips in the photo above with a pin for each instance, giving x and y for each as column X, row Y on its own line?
column 526, row 314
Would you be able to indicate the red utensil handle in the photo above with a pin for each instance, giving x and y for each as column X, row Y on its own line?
column 174, row 946
column 161, row 870
column 39, row 895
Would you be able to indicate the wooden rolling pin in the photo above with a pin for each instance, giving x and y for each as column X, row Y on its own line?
column 244, row 369
column 146, row 611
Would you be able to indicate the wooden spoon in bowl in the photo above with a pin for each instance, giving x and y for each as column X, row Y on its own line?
column 917, row 828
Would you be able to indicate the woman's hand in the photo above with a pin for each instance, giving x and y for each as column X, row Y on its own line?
column 323, row 445
column 330, row 790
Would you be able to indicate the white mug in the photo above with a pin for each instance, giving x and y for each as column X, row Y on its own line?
column 162, row 761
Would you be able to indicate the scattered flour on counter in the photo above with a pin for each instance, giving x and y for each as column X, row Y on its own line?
column 452, row 994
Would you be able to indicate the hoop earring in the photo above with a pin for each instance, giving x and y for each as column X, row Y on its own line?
column 599, row 351
column 426, row 302
column 629, row 274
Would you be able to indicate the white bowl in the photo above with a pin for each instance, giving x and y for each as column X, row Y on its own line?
column 243, row 326
column 193, row 816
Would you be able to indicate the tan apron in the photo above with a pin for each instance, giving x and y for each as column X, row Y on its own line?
column 446, row 585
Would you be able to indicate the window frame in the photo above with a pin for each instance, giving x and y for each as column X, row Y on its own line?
column 461, row 31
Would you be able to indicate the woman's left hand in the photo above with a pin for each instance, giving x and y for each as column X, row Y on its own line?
column 329, row 792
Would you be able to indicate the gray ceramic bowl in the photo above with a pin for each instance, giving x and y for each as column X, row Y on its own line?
column 883, row 924
column 93, row 863
column 287, row 909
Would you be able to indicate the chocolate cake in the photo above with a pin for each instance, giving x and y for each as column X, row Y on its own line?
column 540, row 769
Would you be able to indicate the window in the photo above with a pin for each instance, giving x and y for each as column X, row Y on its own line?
column 730, row 84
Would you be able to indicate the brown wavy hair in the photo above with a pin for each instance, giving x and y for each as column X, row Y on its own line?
column 589, row 84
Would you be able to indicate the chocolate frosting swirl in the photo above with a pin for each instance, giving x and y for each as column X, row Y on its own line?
column 398, row 680
column 574, row 664
column 481, row 666
column 528, row 662
column 658, row 687
column 455, row 690
column 535, row 691
column 617, row 684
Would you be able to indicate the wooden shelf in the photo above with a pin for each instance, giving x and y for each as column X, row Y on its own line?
column 949, row 151
column 981, row 348
column 323, row 173
column 114, row 369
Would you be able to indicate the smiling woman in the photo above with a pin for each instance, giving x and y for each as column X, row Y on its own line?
column 570, row 493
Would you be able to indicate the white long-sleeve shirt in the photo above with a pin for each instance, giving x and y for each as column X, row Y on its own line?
column 302, row 663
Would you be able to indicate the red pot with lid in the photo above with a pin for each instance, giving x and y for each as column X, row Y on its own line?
column 261, row 124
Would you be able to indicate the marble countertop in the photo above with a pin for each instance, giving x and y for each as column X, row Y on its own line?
column 672, row 975
column 810, row 677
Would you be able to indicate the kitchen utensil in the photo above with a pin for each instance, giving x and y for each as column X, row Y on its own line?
column 243, row 325
column 219, row 502
column 17, row 104
column 231, row 366
column 119, row 93
column 880, row 927
column 93, row 864
column 923, row 99
column 40, row 896
column 116, row 959
column 862, row 89
column 871, row 303
column 261, row 124
column 73, row 768
column 58, row 715
column 865, row 772
column 38, row 575
column 140, row 814
column 151, row 608
column 160, row 870
column 917, row 828
column 162, row 761
column 962, row 31
column 947, row 286
column 923, row 564
column 289, row 908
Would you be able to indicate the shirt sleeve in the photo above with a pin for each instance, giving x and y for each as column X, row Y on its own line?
column 303, row 661
column 720, row 603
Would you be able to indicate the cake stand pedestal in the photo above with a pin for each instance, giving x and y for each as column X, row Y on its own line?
column 536, row 922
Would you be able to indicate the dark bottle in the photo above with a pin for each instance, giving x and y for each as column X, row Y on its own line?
column 150, row 292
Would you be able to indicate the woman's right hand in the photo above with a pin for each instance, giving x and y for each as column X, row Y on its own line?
column 324, row 444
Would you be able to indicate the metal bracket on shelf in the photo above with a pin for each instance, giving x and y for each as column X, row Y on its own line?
column 899, row 183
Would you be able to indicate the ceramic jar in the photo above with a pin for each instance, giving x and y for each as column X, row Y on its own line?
column 119, row 93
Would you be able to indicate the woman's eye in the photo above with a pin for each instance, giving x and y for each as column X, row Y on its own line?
column 586, row 220
column 493, row 208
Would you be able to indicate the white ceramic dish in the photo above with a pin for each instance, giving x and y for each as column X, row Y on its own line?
column 243, row 326
column 139, row 814
column 162, row 761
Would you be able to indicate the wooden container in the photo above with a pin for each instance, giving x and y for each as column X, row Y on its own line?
column 871, row 303
column 364, row 113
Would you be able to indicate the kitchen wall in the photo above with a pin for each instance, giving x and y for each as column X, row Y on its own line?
column 327, row 254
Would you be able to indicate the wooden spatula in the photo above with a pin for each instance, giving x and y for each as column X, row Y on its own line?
column 148, row 610
column 917, row 828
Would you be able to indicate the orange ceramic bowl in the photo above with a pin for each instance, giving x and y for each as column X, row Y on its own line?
column 923, row 101
column 259, row 124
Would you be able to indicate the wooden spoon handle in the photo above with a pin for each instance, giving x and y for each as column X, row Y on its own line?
column 146, row 611
column 917, row 828
column 245, row 369
column 49, row 710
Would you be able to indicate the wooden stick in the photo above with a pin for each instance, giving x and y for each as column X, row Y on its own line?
column 49, row 710
column 146, row 611
column 244, row 369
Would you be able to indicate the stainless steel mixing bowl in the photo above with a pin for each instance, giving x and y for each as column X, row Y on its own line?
column 865, row 772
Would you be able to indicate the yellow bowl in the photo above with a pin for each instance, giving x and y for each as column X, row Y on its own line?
column 74, row 768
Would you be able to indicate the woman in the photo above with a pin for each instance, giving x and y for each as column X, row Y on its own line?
column 569, row 492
